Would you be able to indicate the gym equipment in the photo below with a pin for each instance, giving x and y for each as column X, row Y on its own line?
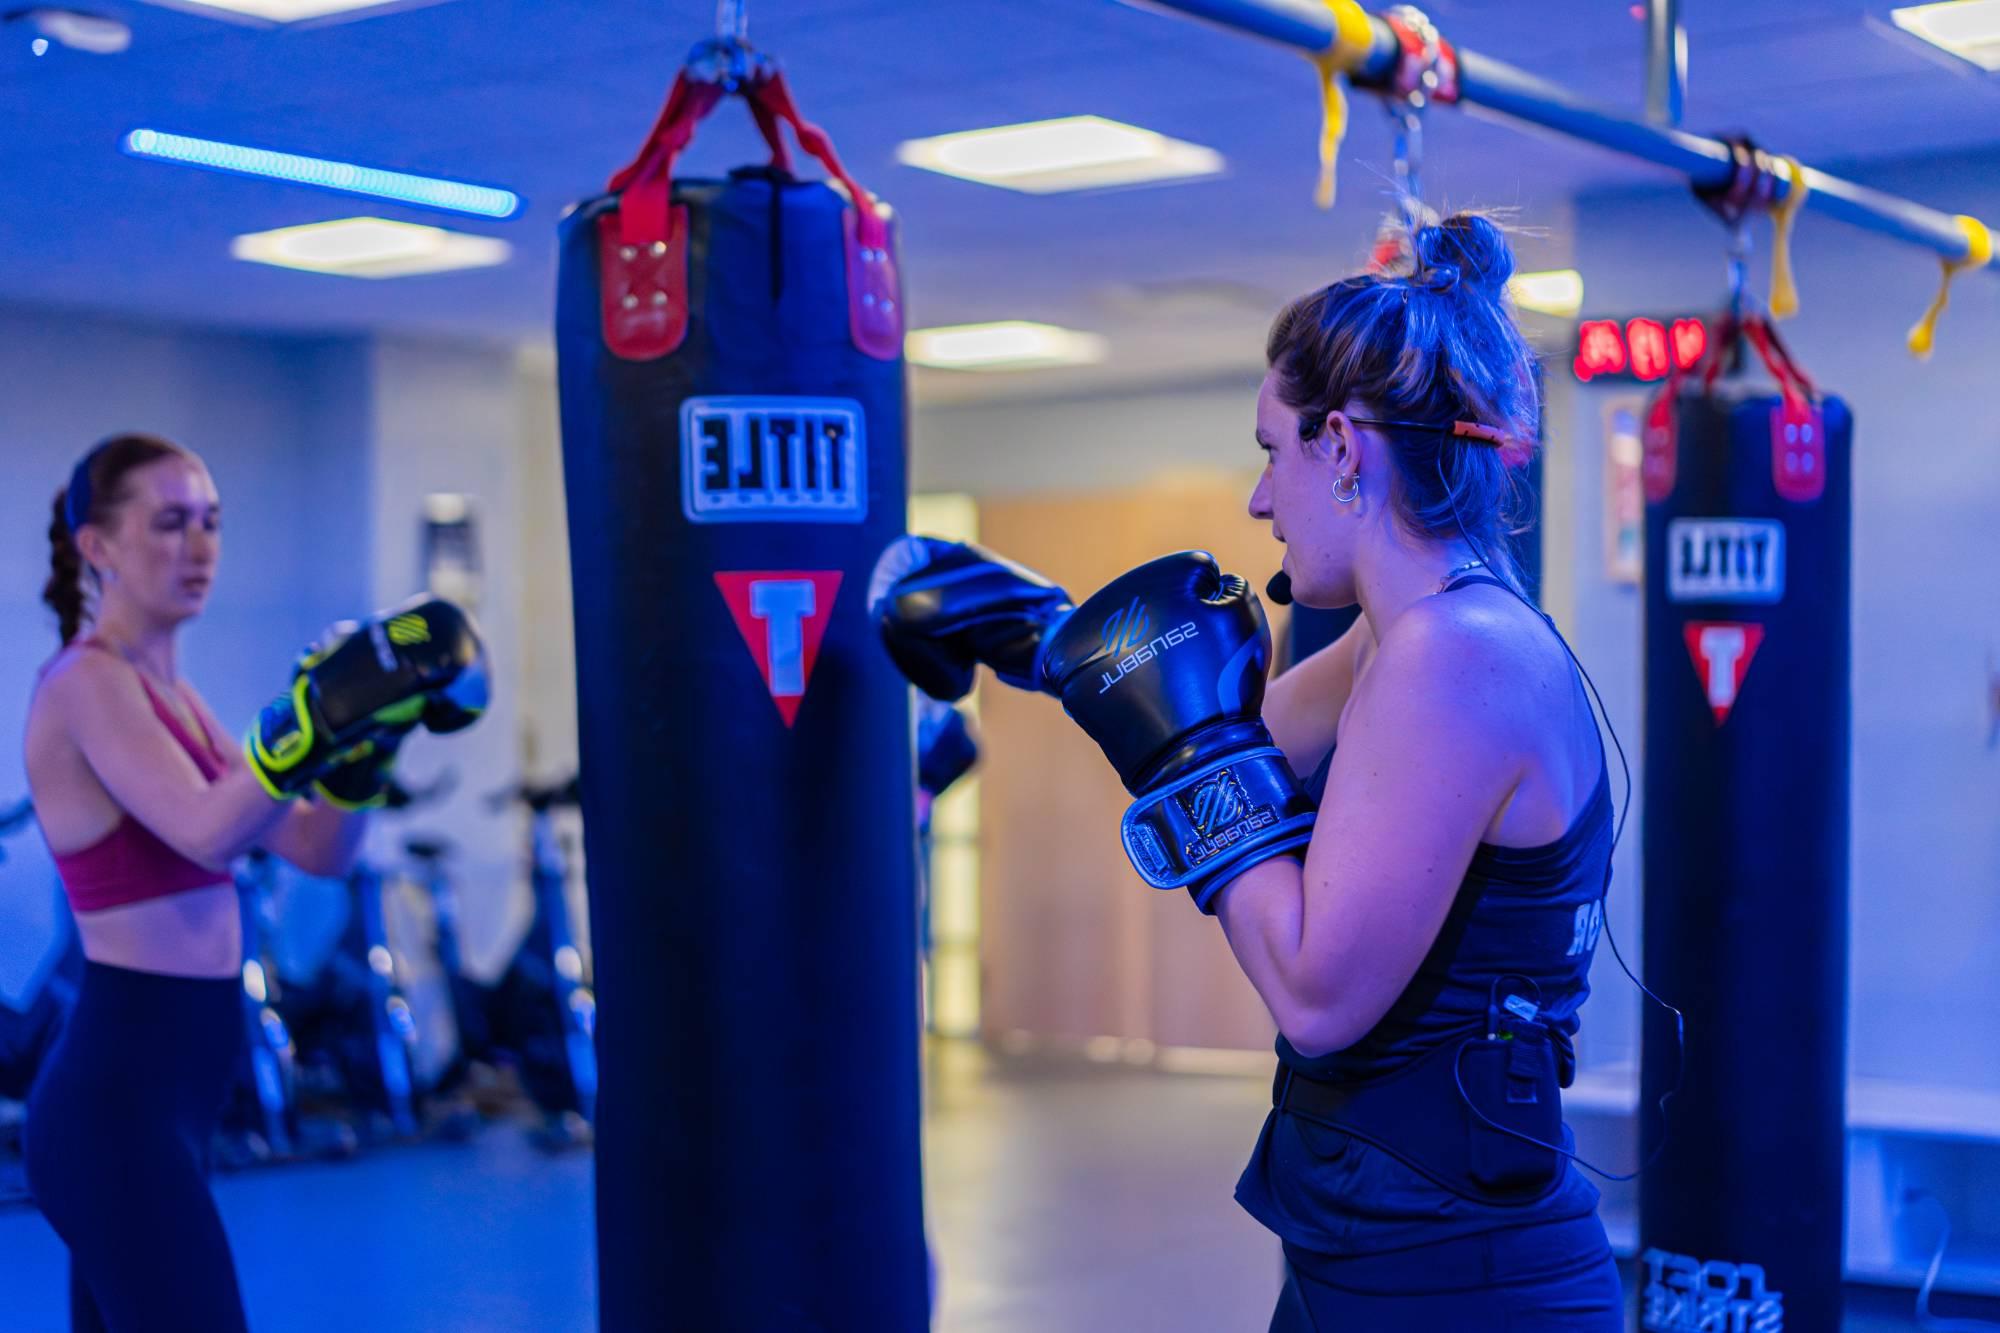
column 1748, row 629
column 545, row 1006
column 730, row 364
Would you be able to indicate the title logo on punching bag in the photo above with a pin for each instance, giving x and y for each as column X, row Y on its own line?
column 773, row 460
column 1725, row 560
column 1722, row 650
column 782, row 616
column 1685, row 1295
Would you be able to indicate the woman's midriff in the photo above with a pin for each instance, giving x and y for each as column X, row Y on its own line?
column 196, row 933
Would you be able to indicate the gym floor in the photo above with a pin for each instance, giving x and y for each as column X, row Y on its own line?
column 1063, row 1199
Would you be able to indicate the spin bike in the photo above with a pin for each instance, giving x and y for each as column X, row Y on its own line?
column 263, row 1123
column 541, row 1014
column 352, row 1018
column 28, row 1033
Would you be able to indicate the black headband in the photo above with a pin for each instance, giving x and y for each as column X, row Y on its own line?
column 77, row 499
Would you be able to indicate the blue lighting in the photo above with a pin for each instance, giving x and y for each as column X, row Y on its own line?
column 425, row 191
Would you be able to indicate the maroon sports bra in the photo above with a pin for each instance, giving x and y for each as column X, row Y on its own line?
column 131, row 864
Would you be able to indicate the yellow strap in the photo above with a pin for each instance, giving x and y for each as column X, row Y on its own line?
column 1978, row 254
column 1784, row 292
column 1353, row 39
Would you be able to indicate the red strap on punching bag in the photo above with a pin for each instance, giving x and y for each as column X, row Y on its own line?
column 874, row 287
column 1798, row 428
column 1659, row 438
column 642, row 246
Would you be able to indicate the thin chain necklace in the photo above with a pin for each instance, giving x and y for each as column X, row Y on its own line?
column 1455, row 571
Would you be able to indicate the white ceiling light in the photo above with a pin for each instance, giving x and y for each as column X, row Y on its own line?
column 1969, row 29
column 1009, row 345
column 1050, row 156
column 288, row 11
column 78, row 31
column 369, row 248
column 1554, row 292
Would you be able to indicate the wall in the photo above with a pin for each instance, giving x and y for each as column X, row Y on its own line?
column 445, row 419
column 1086, row 443
column 548, row 640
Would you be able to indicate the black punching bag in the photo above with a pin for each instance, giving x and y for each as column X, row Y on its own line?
column 732, row 413
column 1748, row 521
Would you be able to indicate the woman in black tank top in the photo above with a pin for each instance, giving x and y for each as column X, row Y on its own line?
column 1427, row 962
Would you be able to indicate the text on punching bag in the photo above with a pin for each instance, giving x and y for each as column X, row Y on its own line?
column 1725, row 560
column 773, row 460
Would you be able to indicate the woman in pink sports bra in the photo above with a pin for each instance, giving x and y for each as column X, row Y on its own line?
column 145, row 801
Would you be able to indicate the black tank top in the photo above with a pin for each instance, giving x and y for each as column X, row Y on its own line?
column 1520, row 912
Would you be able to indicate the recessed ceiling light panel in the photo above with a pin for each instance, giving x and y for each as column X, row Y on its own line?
column 268, row 12
column 1052, row 156
column 1969, row 29
column 370, row 248
column 1009, row 345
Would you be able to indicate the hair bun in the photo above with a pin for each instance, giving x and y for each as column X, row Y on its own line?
column 1470, row 248
column 1437, row 277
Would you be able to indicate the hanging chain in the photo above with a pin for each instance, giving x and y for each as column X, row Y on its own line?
column 727, row 57
column 1422, row 76
column 732, row 21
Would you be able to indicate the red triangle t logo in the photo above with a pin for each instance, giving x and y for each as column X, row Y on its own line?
column 1722, row 650
column 782, row 616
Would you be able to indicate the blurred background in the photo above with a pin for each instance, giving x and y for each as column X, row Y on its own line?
column 378, row 408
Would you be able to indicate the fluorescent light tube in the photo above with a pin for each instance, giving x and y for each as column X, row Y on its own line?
column 345, row 177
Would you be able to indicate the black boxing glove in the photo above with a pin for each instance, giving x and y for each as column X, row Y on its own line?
column 946, row 746
column 384, row 674
column 361, row 777
column 944, row 607
column 1165, row 669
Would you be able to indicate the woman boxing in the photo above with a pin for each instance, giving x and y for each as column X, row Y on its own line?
column 145, row 801
column 1420, row 915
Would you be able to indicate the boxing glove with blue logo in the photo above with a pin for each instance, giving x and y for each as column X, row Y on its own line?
column 1165, row 669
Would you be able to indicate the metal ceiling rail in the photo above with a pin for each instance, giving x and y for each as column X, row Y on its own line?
column 1310, row 26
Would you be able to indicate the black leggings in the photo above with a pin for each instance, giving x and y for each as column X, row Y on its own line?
column 116, row 1143
column 1551, row 1277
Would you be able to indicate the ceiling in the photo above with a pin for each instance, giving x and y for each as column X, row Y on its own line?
column 549, row 98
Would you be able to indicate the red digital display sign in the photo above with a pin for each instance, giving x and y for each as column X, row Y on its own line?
column 1641, row 349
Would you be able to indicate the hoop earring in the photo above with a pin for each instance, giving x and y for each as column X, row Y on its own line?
column 1353, row 489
